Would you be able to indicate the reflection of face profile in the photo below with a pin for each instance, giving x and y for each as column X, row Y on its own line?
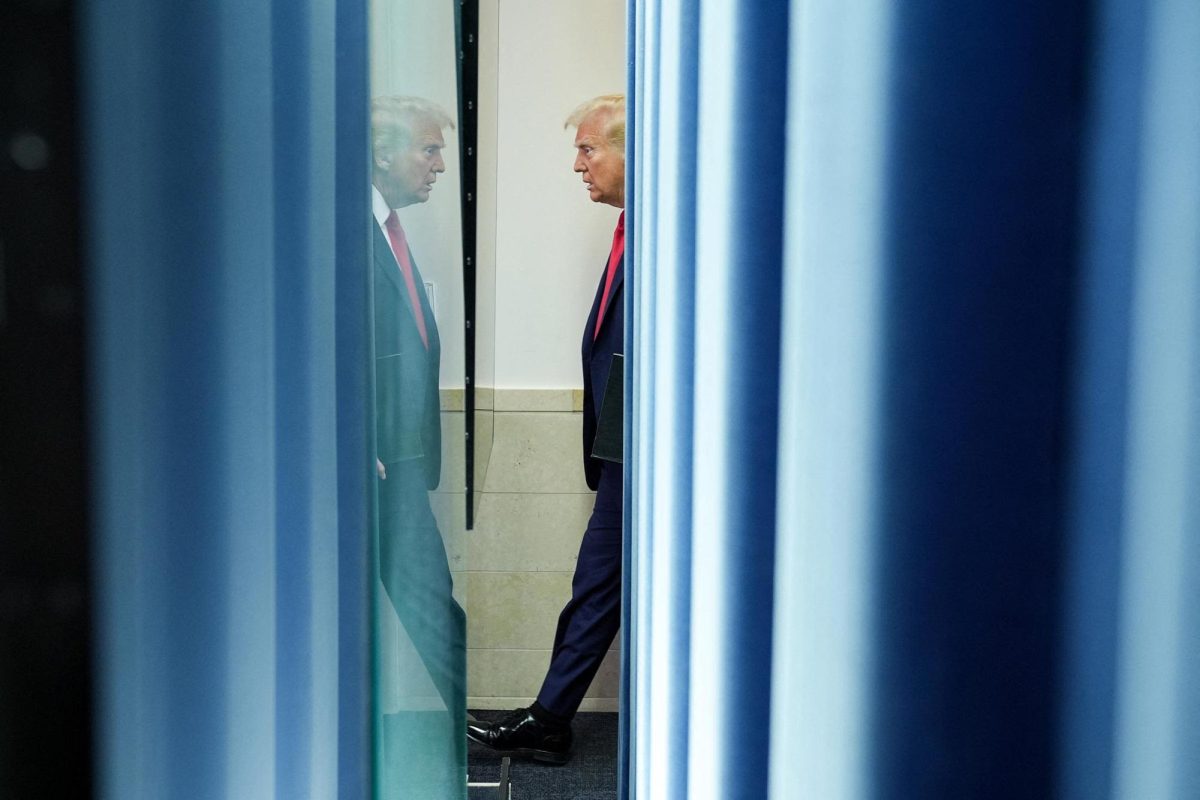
column 407, row 141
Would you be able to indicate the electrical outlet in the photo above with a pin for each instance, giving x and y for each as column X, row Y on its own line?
column 431, row 293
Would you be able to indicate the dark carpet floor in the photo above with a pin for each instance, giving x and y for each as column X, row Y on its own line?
column 591, row 774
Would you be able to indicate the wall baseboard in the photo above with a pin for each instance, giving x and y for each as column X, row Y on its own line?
column 523, row 400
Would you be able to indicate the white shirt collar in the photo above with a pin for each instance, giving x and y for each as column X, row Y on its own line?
column 379, row 206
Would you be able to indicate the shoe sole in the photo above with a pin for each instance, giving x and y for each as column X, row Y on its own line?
column 543, row 756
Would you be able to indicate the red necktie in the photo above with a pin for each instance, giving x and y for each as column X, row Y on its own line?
column 614, row 258
column 400, row 250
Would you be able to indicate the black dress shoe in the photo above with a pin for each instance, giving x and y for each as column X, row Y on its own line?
column 520, row 735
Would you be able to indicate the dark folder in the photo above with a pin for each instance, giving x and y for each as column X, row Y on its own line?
column 610, row 434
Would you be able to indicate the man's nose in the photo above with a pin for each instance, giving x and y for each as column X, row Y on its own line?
column 579, row 167
column 439, row 165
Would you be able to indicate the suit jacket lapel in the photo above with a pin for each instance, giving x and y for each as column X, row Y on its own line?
column 618, row 279
column 426, row 309
column 385, row 261
column 589, row 327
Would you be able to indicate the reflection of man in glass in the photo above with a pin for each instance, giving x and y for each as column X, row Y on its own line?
column 406, row 141
column 589, row 622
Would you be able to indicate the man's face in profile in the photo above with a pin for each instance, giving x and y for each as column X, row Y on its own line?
column 410, row 173
column 600, row 164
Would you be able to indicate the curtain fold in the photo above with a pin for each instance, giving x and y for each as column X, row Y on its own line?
column 665, row 358
column 738, row 269
column 831, row 426
column 707, row 309
column 1101, row 404
column 1156, row 724
column 948, row 361
column 631, row 640
column 224, row 520
column 355, row 422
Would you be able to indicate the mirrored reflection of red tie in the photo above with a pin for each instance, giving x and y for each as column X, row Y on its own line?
column 400, row 250
column 614, row 258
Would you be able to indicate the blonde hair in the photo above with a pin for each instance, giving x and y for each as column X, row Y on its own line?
column 393, row 117
column 614, row 129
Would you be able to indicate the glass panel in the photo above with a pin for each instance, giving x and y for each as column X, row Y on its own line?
column 420, row 656
column 484, row 323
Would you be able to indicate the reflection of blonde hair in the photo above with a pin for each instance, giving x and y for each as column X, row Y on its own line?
column 614, row 129
column 393, row 118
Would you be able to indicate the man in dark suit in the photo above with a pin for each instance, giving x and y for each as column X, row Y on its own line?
column 591, row 619
column 407, row 143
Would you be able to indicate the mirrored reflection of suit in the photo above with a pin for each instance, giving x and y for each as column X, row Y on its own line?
column 412, row 556
column 592, row 617
column 408, row 422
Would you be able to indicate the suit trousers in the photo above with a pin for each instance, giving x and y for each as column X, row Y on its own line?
column 416, row 574
column 590, row 621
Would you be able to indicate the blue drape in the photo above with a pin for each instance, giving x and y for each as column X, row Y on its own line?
column 627, row 694
column 665, row 298
column 227, row 184
column 707, row 310
column 916, row 436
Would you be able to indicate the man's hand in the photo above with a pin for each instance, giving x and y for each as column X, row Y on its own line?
column 379, row 468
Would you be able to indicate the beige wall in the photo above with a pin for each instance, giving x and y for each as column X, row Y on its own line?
column 512, row 573
column 521, row 556
column 542, row 248
column 551, row 240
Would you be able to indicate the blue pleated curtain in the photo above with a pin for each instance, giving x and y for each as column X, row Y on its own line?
column 227, row 186
column 914, row 430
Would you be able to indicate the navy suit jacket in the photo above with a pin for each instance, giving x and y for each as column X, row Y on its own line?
column 408, row 421
column 597, row 361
